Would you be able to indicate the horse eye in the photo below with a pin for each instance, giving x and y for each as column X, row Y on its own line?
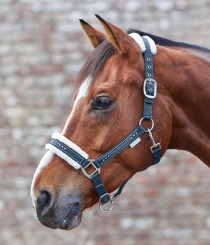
column 101, row 103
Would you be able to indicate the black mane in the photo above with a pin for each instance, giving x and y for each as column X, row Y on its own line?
column 166, row 42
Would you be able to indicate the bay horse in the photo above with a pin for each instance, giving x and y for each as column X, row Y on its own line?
column 103, row 142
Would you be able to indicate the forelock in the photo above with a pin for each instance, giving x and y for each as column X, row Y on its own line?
column 96, row 61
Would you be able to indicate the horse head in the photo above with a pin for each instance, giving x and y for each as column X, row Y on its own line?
column 108, row 105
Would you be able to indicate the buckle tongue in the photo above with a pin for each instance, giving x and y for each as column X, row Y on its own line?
column 90, row 163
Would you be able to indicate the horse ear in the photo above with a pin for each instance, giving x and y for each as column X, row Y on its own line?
column 95, row 37
column 116, row 36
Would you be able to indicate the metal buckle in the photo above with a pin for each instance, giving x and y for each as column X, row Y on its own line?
column 155, row 146
column 101, row 204
column 91, row 162
column 150, row 80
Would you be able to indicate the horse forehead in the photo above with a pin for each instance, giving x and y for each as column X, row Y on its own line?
column 115, row 67
column 114, row 75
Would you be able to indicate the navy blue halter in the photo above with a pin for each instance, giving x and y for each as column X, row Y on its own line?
column 150, row 91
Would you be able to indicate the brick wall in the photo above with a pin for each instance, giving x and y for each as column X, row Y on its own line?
column 42, row 48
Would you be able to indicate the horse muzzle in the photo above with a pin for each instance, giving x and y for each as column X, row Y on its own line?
column 62, row 211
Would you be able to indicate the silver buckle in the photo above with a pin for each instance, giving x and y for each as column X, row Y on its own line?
column 91, row 162
column 150, row 80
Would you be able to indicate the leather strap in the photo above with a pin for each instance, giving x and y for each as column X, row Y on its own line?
column 156, row 155
column 119, row 190
column 104, row 197
column 122, row 145
column 149, row 87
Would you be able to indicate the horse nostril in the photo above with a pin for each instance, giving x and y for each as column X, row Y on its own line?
column 44, row 201
column 75, row 207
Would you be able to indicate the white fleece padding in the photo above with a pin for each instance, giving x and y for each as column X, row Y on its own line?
column 59, row 153
column 152, row 45
column 70, row 144
column 140, row 42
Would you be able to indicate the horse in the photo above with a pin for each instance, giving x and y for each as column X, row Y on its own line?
column 136, row 96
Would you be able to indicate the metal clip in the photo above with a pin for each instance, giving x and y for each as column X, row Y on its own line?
column 154, row 145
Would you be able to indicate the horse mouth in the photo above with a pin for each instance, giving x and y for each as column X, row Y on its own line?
column 71, row 222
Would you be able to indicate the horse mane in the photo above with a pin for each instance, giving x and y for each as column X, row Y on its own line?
column 166, row 42
column 104, row 51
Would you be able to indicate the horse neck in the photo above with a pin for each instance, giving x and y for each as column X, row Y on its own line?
column 187, row 79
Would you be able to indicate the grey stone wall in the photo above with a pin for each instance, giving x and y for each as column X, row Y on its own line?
column 42, row 48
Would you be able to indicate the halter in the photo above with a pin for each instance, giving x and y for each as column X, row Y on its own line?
column 77, row 158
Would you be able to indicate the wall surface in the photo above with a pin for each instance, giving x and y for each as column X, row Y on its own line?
column 42, row 48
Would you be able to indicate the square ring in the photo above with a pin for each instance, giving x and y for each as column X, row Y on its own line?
column 90, row 163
